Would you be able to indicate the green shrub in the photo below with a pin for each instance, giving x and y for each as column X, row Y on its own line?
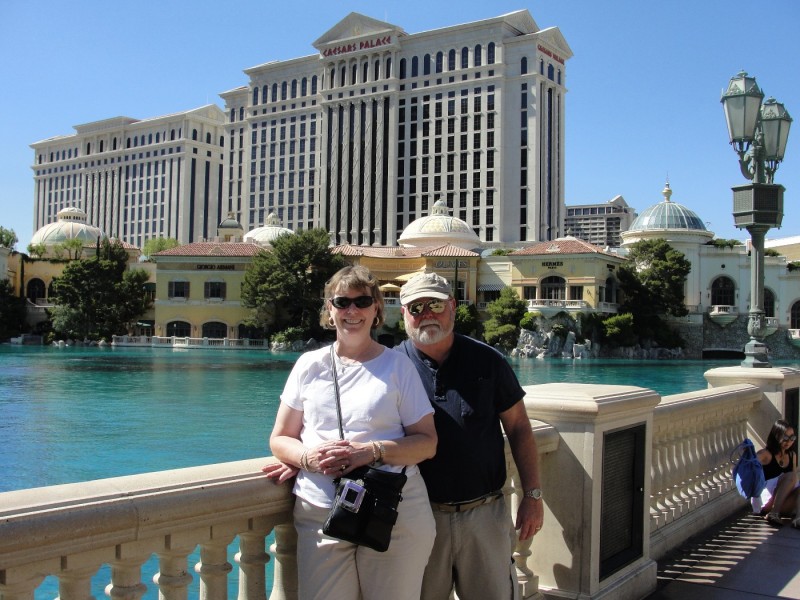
column 620, row 331
column 288, row 335
column 529, row 322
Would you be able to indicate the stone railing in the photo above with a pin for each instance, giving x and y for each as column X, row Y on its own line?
column 71, row 531
column 186, row 342
column 694, row 435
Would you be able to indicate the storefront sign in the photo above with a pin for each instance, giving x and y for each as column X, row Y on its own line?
column 216, row 267
column 552, row 264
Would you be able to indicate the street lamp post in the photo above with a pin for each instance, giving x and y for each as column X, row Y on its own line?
column 758, row 133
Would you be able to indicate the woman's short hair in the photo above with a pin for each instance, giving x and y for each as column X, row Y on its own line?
column 354, row 277
column 776, row 435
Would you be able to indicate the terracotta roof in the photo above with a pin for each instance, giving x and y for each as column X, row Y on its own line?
column 400, row 251
column 565, row 245
column 212, row 249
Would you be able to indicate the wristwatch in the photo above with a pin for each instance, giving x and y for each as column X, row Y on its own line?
column 535, row 493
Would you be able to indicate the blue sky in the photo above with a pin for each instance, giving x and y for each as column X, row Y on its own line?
column 644, row 82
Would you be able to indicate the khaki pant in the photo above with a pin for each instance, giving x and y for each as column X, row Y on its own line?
column 330, row 569
column 472, row 553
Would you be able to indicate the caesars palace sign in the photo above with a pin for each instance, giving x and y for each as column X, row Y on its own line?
column 368, row 44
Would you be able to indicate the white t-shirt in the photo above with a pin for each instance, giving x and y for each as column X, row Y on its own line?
column 379, row 398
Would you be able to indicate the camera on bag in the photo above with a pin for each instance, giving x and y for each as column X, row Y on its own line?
column 352, row 496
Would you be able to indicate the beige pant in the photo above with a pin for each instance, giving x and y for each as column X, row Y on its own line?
column 472, row 554
column 330, row 569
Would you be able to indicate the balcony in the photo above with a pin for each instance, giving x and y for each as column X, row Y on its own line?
column 723, row 315
column 549, row 308
column 71, row 531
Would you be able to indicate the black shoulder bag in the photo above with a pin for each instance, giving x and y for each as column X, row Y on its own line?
column 364, row 509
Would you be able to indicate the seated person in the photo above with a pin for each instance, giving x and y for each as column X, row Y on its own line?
column 781, row 496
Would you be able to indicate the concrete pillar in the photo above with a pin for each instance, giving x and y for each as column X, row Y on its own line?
column 590, row 420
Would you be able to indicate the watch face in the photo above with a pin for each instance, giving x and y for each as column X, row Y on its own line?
column 535, row 494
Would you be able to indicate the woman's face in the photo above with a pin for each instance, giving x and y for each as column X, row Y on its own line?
column 353, row 311
column 788, row 438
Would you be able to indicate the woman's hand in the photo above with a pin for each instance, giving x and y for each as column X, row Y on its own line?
column 279, row 472
column 339, row 457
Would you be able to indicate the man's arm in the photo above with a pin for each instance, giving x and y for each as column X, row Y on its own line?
column 526, row 457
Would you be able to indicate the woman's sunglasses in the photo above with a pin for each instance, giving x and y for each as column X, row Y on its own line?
column 789, row 438
column 343, row 302
column 417, row 308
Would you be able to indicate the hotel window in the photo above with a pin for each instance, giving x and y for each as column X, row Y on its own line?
column 178, row 289
column 490, row 54
column 464, row 57
column 477, row 57
column 451, row 60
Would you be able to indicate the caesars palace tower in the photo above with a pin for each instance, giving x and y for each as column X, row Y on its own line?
column 360, row 138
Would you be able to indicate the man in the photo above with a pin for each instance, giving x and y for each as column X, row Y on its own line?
column 473, row 390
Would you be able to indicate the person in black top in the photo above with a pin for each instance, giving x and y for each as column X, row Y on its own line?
column 779, row 462
column 473, row 391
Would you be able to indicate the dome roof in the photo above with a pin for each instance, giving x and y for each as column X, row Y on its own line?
column 230, row 222
column 71, row 224
column 439, row 227
column 667, row 215
column 267, row 234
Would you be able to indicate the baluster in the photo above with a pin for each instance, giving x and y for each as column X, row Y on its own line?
column 252, row 558
column 173, row 577
column 674, row 474
column 213, row 569
column 688, row 500
column 708, row 451
column 284, row 578
column 76, row 584
column 698, row 461
column 663, row 502
column 126, row 573
column 658, row 512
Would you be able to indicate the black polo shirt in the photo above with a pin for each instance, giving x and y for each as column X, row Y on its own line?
column 468, row 392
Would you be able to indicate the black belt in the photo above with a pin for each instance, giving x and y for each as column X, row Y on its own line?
column 452, row 507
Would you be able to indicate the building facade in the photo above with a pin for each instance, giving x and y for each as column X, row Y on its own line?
column 136, row 179
column 600, row 224
column 364, row 136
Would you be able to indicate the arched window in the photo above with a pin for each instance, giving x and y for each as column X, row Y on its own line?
column 402, row 68
column 158, row 139
column 314, row 84
column 304, row 86
column 376, row 70
column 523, row 65
column 208, row 138
column 451, row 60
column 794, row 316
column 388, row 69
column 294, row 88
column 255, row 96
column 426, row 64
column 215, row 329
column 101, row 145
column 490, row 54
column 172, row 131
column 723, row 292
column 354, row 75
column 274, row 92
column 35, row 290
column 179, row 329
column 194, row 134
column 113, row 146
column 343, row 76
column 233, row 118
column 414, row 66
column 465, row 58
column 559, row 77
column 264, row 92
column 554, row 288
column 769, row 303
column 284, row 90
column 551, row 72
column 332, row 83
column 541, row 67
column 241, row 113
column 477, row 59
column 142, row 141
column 365, row 72
column 439, row 62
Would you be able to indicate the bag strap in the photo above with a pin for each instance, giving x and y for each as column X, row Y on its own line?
column 336, row 392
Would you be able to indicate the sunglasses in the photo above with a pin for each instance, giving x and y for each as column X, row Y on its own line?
column 343, row 302
column 417, row 308
column 789, row 438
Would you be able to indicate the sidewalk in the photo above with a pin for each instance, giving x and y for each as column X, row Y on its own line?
column 742, row 558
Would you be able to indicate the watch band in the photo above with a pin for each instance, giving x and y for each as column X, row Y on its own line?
column 535, row 493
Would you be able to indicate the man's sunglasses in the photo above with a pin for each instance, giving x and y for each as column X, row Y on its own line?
column 417, row 308
column 343, row 302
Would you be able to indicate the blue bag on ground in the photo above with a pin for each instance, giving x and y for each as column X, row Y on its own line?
column 748, row 473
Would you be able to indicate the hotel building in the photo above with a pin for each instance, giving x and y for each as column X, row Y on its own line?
column 600, row 224
column 365, row 135
column 136, row 179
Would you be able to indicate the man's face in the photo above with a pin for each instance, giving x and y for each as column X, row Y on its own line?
column 428, row 326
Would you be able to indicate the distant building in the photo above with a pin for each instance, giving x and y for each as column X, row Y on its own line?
column 136, row 179
column 364, row 136
column 600, row 224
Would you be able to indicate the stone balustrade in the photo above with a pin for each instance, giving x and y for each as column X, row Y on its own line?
column 72, row 531
column 187, row 342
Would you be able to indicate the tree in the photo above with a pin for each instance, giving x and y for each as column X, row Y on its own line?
column 12, row 311
column 159, row 244
column 37, row 250
column 284, row 285
column 73, row 247
column 502, row 328
column 653, row 279
column 8, row 239
column 467, row 319
column 99, row 297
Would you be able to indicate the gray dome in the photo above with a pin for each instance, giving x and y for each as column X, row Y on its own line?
column 439, row 227
column 667, row 215
column 270, row 231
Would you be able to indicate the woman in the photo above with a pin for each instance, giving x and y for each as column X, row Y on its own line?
column 387, row 419
column 779, row 462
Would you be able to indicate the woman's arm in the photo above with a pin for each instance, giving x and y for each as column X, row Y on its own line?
column 764, row 456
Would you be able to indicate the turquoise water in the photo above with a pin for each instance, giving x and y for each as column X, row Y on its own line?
column 77, row 414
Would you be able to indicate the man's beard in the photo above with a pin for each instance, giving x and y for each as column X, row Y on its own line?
column 430, row 331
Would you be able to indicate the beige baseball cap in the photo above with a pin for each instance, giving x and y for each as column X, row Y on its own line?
column 425, row 285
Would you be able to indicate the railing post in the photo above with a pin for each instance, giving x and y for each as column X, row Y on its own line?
column 595, row 538
column 284, row 579
column 252, row 558
column 213, row 568
column 126, row 572
column 173, row 577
